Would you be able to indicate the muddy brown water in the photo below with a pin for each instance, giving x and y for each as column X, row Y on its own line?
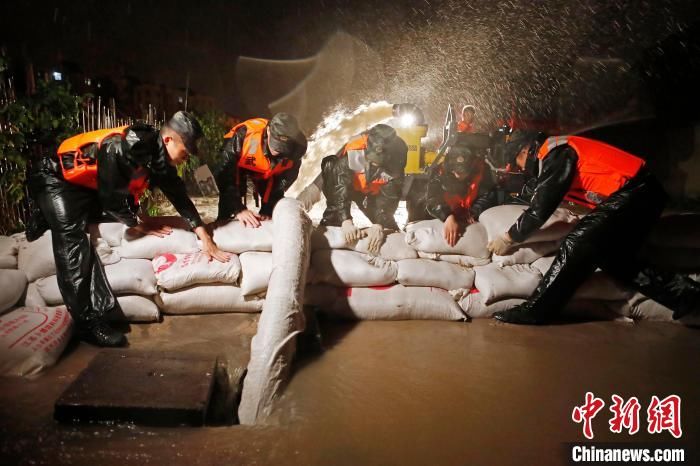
column 409, row 393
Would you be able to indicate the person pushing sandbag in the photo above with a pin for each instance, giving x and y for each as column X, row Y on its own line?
column 369, row 170
column 105, row 171
column 626, row 200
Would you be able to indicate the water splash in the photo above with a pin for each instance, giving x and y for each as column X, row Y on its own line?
column 332, row 133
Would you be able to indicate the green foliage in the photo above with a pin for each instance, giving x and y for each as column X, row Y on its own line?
column 214, row 127
column 34, row 125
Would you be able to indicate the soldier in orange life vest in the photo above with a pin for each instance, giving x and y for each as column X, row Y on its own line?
column 269, row 152
column 459, row 191
column 104, row 172
column 466, row 124
column 626, row 200
column 368, row 170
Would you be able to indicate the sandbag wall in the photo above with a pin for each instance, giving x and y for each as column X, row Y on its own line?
column 418, row 276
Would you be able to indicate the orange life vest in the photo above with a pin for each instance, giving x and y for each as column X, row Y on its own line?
column 78, row 161
column 600, row 171
column 460, row 204
column 464, row 127
column 355, row 152
column 253, row 157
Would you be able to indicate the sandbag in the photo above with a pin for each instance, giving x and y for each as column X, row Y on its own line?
column 473, row 304
column 138, row 308
column 527, row 253
column 465, row 261
column 394, row 247
column 8, row 246
column 33, row 338
column 8, row 252
column 207, row 299
column 498, row 283
column 111, row 232
column 396, row 302
column 13, row 283
column 174, row 271
column 36, row 259
column 273, row 347
column 8, row 262
column 128, row 276
column 600, row 286
column 33, row 298
column 643, row 308
column 499, row 219
column 428, row 236
column 256, row 268
column 149, row 246
column 342, row 268
column 425, row 272
column 236, row 238
column 543, row 264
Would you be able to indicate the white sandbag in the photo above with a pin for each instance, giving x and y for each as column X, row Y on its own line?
column 527, row 253
column 107, row 255
column 465, row 261
column 8, row 262
column 174, row 271
column 498, row 283
column 149, row 246
column 473, row 305
column 33, row 298
column 499, row 219
column 394, row 247
column 138, row 308
column 543, row 264
column 13, row 283
column 341, row 267
column 425, row 272
column 8, row 246
column 273, row 347
column 234, row 237
column 207, row 299
column 128, row 276
column 428, row 236
column 32, row 339
column 396, row 302
column 36, row 258
column 600, row 286
column 111, row 232
column 256, row 268
column 643, row 308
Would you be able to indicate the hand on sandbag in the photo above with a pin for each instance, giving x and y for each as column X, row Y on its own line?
column 265, row 217
column 500, row 245
column 149, row 227
column 451, row 231
column 375, row 234
column 209, row 247
column 248, row 218
column 350, row 232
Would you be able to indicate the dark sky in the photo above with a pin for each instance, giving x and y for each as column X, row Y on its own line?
column 430, row 48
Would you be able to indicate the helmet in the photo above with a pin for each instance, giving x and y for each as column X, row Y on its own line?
column 520, row 139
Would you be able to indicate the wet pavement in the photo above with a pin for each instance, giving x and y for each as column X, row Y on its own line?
column 387, row 393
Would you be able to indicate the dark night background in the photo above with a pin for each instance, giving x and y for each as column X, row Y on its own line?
column 495, row 54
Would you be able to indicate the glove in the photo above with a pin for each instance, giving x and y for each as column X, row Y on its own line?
column 350, row 232
column 500, row 245
column 375, row 235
